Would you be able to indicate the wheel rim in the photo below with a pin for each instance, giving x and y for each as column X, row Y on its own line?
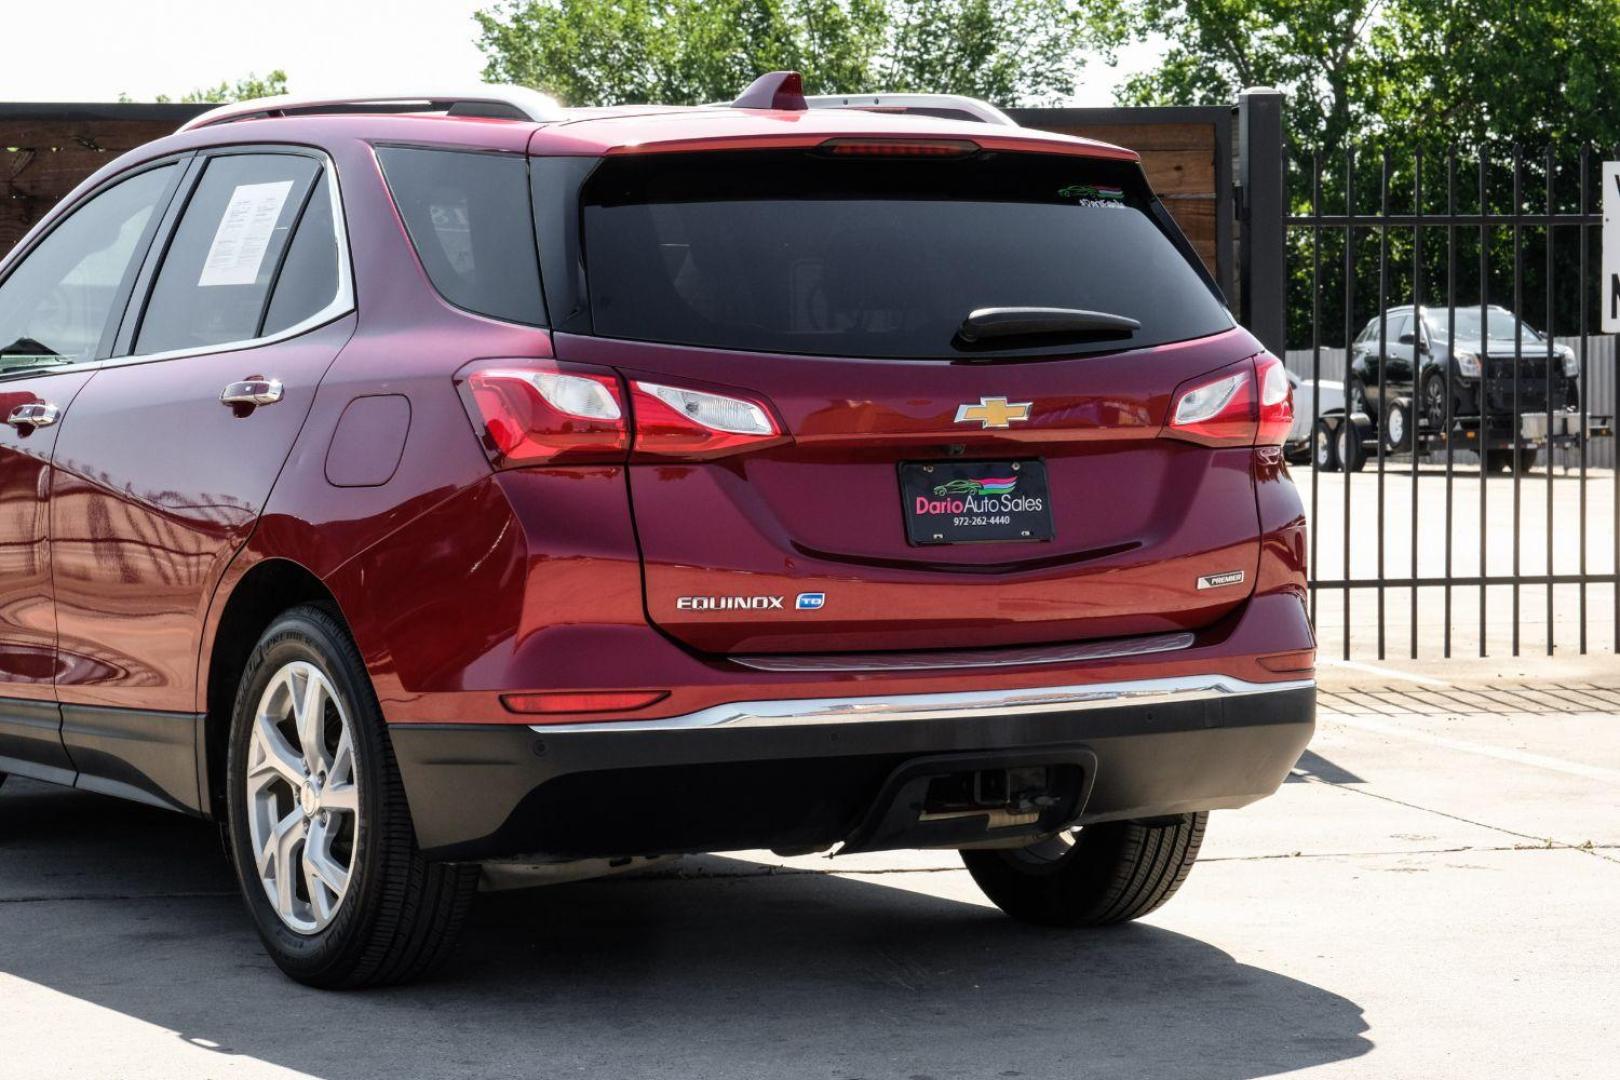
column 1344, row 444
column 1436, row 401
column 1395, row 422
column 303, row 797
column 1322, row 448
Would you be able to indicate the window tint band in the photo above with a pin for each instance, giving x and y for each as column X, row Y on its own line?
column 316, row 184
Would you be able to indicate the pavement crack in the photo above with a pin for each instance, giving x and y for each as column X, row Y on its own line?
column 1588, row 848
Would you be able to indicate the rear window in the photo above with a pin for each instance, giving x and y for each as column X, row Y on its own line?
column 799, row 252
column 469, row 218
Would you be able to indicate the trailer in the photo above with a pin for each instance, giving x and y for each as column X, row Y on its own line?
column 1348, row 442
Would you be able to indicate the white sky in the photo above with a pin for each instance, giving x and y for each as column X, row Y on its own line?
column 92, row 50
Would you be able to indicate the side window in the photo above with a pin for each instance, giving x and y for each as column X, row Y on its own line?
column 469, row 219
column 55, row 306
column 309, row 276
column 215, row 279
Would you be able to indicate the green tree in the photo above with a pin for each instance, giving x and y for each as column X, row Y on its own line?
column 1485, row 72
column 242, row 90
column 609, row 52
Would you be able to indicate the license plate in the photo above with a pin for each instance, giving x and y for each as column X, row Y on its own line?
column 963, row 502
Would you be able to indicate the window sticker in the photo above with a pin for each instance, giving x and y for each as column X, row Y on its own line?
column 243, row 235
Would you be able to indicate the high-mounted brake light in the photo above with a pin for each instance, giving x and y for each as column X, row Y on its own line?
column 1247, row 404
column 677, row 422
column 547, row 414
column 903, row 148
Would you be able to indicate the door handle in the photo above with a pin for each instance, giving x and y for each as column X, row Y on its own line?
column 35, row 415
column 252, row 391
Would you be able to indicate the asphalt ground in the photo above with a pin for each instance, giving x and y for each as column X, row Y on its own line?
column 1433, row 894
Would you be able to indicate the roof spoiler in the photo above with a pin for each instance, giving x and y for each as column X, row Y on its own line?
column 498, row 102
column 784, row 90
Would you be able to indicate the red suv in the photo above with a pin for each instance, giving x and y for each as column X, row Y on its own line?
column 429, row 488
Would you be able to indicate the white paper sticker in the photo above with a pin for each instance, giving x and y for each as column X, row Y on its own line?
column 243, row 235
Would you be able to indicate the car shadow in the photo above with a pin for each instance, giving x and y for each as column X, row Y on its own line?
column 721, row 968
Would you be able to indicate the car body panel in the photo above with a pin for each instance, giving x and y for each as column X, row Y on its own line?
column 462, row 585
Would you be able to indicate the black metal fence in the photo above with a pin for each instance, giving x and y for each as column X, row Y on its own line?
column 1483, row 522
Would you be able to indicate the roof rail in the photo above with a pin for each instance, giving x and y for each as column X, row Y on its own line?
column 946, row 106
column 501, row 102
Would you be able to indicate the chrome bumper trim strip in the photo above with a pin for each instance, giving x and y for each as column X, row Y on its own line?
column 935, row 660
column 972, row 703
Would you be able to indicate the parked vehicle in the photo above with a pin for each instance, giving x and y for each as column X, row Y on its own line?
column 1311, row 438
column 438, row 496
column 1497, row 366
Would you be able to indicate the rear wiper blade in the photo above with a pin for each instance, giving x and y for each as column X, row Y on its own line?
column 988, row 324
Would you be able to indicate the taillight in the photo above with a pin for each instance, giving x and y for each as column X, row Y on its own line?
column 551, row 413
column 1247, row 404
column 547, row 414
column 1216, row 410
column 679, row 422
column 1276, row 401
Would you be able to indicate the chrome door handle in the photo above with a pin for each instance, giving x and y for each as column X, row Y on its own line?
column 254, row 391
column 37, row 414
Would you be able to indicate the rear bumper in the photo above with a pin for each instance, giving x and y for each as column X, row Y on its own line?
column 803, row 773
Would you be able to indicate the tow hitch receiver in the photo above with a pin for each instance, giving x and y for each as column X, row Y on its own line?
column 974, row 800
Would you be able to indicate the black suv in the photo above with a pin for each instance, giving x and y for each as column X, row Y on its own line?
column 1406, row 352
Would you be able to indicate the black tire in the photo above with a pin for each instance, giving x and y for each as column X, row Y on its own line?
column 1434, row 399
column 400, row 915
column 1352, row 455
column 1522, row 459
column 1109, row 873
column 1324, row 448
column 1396, row 428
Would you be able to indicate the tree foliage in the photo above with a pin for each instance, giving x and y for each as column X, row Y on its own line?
column 610, row 52
column 1482, row 72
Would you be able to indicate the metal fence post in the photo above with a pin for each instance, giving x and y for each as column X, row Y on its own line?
column 1262, row 208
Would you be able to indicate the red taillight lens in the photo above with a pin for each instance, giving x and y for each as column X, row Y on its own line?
column 545, row 413
column 1276, row 401
column 1216, row 410
column 679, row 422
column 583, row 701
column 1247, row 404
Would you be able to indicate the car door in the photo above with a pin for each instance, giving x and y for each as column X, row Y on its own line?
column 56, row 310
column 176, row 442
column 1383, row 352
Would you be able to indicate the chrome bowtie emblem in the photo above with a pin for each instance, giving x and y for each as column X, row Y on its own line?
column 993, row 412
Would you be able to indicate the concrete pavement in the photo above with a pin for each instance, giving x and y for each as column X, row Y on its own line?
column 1432, row 895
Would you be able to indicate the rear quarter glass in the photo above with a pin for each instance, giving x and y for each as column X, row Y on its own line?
column 802, row 252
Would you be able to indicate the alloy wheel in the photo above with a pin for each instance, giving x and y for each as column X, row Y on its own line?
column 303, row 797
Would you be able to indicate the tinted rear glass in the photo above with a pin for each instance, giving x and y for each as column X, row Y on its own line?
column 803, row 253
column 469, row 218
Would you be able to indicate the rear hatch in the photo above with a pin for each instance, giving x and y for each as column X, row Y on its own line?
column 887, row 476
